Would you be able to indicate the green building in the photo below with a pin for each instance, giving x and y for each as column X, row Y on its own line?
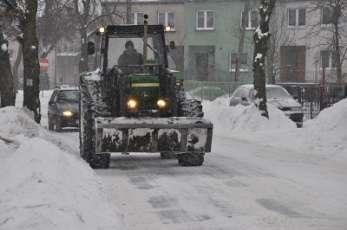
column 213, row 34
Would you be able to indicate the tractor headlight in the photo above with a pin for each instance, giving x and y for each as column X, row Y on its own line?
column 162, row 104
column 67, row 113
column 132, row 104
column 102, row 30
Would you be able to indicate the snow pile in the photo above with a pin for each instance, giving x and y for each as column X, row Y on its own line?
column 43, row 187
column 15, row 121
column 229, row 120
column 329, row 128
column 325, row 135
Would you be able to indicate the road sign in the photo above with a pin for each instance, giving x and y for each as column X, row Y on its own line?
column 43, row 65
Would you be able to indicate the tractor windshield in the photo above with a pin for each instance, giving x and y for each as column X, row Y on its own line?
column 129, row 51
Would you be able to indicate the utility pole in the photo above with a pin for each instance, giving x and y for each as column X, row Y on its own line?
column 128, row 18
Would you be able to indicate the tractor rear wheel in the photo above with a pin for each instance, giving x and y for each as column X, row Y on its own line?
column 191, row 159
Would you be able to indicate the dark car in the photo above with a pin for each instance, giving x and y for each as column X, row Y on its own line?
column 63, row 110
column 276, row 95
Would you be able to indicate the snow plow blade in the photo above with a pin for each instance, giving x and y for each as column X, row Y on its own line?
column 175, row 134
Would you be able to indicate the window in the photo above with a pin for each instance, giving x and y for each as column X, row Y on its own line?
column 250, row 22
column 137, row 18
column 205, row 20
column 327, row 15
column 328, row 59
column 167, row 19
column 233, row 59
column 296, row 17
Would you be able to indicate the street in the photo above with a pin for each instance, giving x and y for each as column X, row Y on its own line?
column 241, row 185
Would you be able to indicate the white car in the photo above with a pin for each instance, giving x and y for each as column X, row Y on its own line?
column 276, row 95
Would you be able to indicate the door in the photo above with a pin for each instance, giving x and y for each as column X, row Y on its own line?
column 293, row 60
column 201, row 62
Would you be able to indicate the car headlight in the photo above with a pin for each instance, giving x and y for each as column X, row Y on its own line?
column 161, row 103
column 132, row 104
column 67, row 113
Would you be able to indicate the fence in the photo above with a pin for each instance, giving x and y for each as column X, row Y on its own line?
column 313, row 96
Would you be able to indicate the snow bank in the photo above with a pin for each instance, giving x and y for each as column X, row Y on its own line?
column 15, row 121
column 329, row 128
column 229, row 120
column 43, row 187
column 326, row 134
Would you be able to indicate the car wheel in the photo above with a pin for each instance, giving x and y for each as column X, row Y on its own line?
column 57, row 125
column 50, row 125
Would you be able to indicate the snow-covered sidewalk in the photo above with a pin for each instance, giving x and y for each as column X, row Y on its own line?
column 44, row 187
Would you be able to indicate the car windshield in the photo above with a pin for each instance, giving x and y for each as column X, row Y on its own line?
column 128, row 51
column 276, row 93
column 68, row 95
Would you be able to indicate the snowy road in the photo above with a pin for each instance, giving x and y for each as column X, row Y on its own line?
column 242, row 185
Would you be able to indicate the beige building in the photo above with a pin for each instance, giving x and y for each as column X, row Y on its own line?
column 303, row 37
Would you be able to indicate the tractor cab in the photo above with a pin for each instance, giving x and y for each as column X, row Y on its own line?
column 136, row 57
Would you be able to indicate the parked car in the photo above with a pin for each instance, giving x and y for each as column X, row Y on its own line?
column 276, row 95
column 63, row 109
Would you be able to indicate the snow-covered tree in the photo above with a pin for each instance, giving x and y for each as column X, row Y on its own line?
column 86, row 14
column 7, row 92
column 261, row 40
column 24, row 12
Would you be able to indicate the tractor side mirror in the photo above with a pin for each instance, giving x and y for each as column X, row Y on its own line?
column 91, row 48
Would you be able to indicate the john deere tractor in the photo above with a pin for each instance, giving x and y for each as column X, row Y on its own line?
column 137, row 104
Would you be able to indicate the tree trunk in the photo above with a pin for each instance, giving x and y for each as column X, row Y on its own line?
column 7, row 91
column 261, row 41
column 31, row 66
column 270, row 71
column 83, row 66
column 246, row 9
column 336, row 40
column 16, row 64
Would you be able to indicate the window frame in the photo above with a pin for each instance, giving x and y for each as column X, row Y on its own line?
column 322, row 17
column 249, row 20
column 205, row 28
column 330, row 59
column 244, row 67
column 166, row 20
column 135, row 17
column 297, row 17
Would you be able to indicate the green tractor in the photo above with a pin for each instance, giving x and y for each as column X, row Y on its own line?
column 132, row 102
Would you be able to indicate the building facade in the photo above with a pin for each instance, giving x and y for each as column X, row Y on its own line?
column 213, row 36
column 305, row 42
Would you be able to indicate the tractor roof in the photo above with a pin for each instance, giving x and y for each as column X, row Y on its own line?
column 137, row 30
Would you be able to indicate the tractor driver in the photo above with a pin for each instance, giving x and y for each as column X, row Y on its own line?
column 130, row 56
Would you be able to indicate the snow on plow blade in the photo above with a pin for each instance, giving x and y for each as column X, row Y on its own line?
column 181, row 134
